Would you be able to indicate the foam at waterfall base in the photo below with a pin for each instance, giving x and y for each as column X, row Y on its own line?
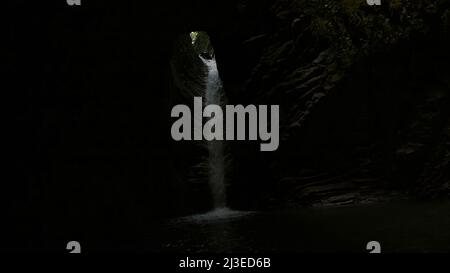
column 216, row 215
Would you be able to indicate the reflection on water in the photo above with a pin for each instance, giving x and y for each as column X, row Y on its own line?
column 406, row 227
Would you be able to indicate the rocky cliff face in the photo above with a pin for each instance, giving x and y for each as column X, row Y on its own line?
column 363, row 94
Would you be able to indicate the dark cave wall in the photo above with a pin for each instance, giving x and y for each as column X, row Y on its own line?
column 361, row 90
column 92, row 123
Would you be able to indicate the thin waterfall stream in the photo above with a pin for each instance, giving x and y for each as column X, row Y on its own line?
column 216, row 158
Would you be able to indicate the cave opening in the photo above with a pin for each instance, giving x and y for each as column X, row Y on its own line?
column 202, row 45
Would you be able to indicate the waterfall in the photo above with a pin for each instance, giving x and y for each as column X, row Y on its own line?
column 216, row 160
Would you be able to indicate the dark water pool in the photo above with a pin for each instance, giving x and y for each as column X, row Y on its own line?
column 402, row 227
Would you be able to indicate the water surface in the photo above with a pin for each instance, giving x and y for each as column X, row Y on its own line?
column 399, row 227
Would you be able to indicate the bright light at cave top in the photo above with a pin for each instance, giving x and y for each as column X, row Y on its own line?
column 194, row 36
